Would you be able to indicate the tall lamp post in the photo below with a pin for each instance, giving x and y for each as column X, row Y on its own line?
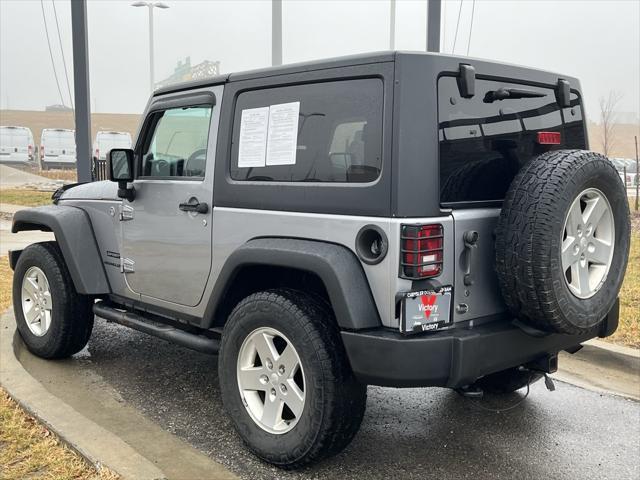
column 434, row 20
column 150, row 6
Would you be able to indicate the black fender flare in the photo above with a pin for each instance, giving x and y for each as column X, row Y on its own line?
column 336, row 266
column 74, row 235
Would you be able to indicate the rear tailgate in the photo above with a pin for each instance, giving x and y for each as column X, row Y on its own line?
column 484, row 141
column 14, row 144
column 59, row 143
column 476, row 292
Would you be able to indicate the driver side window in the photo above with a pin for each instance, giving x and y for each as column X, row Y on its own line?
column 178, row 145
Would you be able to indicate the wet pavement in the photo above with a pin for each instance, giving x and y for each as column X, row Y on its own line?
column 406, row 433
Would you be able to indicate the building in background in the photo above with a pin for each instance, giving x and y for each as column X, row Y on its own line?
column 184, row 71
column 57, row 108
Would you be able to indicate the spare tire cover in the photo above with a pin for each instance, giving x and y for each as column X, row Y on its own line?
column 562, row 241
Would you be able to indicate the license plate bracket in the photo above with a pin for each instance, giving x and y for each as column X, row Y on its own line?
column 426, row 310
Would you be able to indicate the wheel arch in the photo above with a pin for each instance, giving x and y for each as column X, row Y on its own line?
column 75, row 237
column 331, row 272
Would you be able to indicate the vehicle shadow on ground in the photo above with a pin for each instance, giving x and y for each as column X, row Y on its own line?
column 406, row 433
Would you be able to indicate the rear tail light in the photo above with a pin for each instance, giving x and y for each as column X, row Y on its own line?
column 42, row 150
column 30, row 150
column 549, row 138
column 421, row 251
column 97, row 153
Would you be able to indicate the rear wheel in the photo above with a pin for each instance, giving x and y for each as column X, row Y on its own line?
column 53, row 319
column 285, row 379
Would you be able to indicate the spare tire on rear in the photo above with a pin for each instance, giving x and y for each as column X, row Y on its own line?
column 562, row 241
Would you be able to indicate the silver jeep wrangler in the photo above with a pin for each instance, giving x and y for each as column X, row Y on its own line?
column 394, row 219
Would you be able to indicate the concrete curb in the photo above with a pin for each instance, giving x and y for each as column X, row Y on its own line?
column 603, row 367
column 615, row 348
column 96, row 444
column 94, row 420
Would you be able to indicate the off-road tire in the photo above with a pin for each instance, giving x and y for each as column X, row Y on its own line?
column 507, row 381
column 71, row 314
column 529, row 235
column 335, row 402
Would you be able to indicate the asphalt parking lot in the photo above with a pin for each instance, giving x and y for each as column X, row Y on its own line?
column 411, row 433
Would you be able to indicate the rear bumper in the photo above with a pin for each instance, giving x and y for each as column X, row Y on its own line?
column 453, row 358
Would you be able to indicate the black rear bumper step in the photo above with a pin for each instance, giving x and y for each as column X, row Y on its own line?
column 166, row 332
column 457, row 357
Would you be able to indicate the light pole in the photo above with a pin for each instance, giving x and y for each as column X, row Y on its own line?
column 276, row 32
column 392, row 25
column 434, row 20
column 150, row 5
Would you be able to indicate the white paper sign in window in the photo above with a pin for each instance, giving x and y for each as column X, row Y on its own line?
column 283, row 134
column 253, row 137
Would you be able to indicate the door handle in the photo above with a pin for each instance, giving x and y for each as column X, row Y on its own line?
column 470, row 239
column 194, row 207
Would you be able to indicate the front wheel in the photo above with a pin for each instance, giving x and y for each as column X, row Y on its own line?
column 53, row 319
column 285, row 379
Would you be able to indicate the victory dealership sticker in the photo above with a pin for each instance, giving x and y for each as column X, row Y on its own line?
column 426, row 310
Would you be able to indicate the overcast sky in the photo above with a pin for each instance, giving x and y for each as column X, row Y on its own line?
column 597, row 41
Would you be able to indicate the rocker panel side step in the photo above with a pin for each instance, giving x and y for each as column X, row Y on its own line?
column 137, row 322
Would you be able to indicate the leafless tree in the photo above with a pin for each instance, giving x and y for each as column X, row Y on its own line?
column 607, row 120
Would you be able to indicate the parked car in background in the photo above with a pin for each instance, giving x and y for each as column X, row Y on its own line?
column 626, row 168
column 57, row 148
column 105, row 141
column 16, row 145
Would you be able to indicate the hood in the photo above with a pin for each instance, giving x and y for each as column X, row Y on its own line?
column 104, row 190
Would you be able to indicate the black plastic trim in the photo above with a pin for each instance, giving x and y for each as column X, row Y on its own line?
column 190, row 99
column 360, row 249
column 74, row 234
column 337, row 267
column 452, row 358
column 166, row 332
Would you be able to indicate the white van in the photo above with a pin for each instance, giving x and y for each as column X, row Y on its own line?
column 16, row 145
column 57, row 148
column 105, row 141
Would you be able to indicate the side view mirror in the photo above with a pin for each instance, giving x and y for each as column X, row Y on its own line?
column 121, row 166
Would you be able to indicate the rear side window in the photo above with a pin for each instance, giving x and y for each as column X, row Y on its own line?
column 338, row 136
column 485, row 140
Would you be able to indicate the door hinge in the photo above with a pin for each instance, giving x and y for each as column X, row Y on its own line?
column 126, row 213
column 127, row 265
